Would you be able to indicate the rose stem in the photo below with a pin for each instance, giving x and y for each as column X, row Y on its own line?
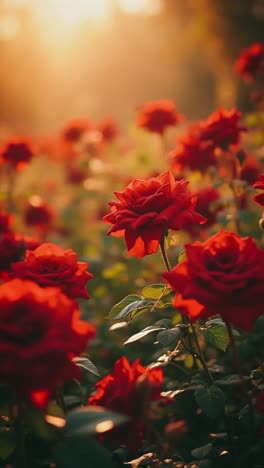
column 194, row 354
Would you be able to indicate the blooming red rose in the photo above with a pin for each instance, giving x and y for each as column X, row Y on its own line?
column 250, row 170
column 108, row 129
column 225, row 276
column 222, row 128
column 259, row 198
column 146, row 209
column 49, row 265
column 17, row 151
column 12, row 249
column 37, row 213
column 75, row 128
column 193, row 153
column 157, row 116
column 40, row 332
column 129, row 390
column 250, row 62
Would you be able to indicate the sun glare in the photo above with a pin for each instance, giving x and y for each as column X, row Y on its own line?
column 75, row 12
column 148, row 7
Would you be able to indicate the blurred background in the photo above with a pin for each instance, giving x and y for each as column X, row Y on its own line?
column 65, row 58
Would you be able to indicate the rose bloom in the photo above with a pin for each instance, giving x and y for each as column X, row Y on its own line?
column 12, row 249
column 128, row 390
column 194, row 154
column 38, row 213
column 40, row 332
column 250, row 170
column 17, row 151
column 157, row 116
column 108, row 129
column 146, row 209
column 225, row 276
column 222, row 127
column 259, row 198
column 250, row 62
column 49, row 265
column 75, row 128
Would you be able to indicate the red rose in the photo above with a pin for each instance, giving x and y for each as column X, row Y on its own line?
column 108, row 129
column 222, row 128
column 128, row 390
column 225, row 275
column 193, row 153
column 157, row 116
column 250, row 62
column 38, row 213
column 250, row 170
column 40, row 332
column 12, row 249
column 75, row 128
column 49, row 265
column 259, row 198
column 146, row 209
column 17, row 151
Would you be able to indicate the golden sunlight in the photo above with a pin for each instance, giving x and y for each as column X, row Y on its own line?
column 148, row 7
column 75, row 12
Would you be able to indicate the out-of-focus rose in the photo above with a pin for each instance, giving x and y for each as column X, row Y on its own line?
column 40, row 332
column 222, row 128
column 146, row 209
column 250, row 62
column 17, row 151
column 5, row 221
column 123, row 391
column 12, row 249
column 75, row 128
column 157, row 116
column 193, row 153
column 208, row 205
column 38, row 213
column 223, row 275
column 108, row 128
column 250, row 170
column 49, row 265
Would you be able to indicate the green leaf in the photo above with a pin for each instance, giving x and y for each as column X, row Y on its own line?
column 87, row 365
column 154, row 291
column 169, row 337
column 211, row 400
column 143, row 333
column 91, row 420
column 166, row 323
column 126, row 306
column 7, row 443
column 216, row 335
column 202, row 452
column 230, row 380
column 81, row 453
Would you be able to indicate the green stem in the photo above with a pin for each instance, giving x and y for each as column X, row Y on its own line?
column 164, row 253
column 201, row 357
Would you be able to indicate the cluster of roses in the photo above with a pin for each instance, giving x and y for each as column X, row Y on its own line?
column 40, row 326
